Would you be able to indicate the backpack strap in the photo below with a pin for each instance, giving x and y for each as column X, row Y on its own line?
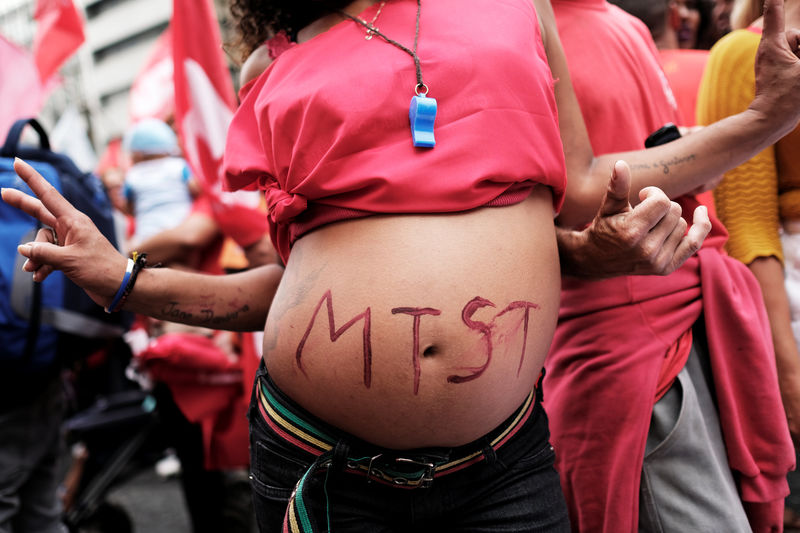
column 11, row 145
column 26, row 300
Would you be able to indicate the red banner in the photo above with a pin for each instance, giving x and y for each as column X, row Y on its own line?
column 59, row 33
column 204, row 105
column 21, row 94
column 152, row 94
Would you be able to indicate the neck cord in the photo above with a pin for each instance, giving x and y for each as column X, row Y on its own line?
column 421, row 88
column 422, row 111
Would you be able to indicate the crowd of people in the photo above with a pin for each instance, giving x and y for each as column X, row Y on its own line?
column 505, row 308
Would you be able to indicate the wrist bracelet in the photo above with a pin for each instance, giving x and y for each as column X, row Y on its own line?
column 121, row 290
column 139, row 262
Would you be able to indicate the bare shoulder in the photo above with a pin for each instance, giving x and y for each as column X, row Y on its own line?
column 256, row 63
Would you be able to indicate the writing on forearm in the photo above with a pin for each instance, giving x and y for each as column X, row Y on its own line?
column 675, row 161
column 489, row 332
column 665, row 164
column 203, row 316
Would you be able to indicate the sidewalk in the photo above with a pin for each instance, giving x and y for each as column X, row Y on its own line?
column 155, row 505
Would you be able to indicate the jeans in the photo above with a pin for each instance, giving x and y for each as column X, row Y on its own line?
column 30, row 447
column 514, row 488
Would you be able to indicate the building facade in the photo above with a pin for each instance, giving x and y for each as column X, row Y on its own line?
column 120, row 35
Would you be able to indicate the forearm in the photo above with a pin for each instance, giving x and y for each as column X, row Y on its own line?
column 651, row 238
column 688, row 163
column 236, row 302
column 174, row 244
column 164, row 247
column 769, row 273
column 677, row 167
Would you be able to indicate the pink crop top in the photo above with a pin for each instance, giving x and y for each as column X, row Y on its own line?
column 324, row 131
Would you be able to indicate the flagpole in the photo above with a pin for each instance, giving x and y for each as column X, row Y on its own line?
column 98, row 133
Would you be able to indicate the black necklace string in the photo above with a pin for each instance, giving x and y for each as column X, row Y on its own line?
column 413, row 53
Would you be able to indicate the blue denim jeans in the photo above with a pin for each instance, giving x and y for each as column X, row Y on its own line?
column 514, row 488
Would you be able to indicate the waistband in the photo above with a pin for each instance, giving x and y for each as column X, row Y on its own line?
column 403, row 469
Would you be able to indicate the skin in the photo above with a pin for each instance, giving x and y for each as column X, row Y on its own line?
column 335, row 333
column 721, row 17
column 686, row 22
column 440, row 261
column 689, row 163
column 417, row 313
column 175, row 245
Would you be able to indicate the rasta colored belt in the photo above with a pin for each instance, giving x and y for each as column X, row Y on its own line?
column 410, row 469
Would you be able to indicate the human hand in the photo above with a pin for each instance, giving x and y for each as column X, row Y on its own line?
column 621, row 240
column 75, row 246
column 778, row 70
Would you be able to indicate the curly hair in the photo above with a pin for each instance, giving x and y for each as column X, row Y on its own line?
column 258, row 20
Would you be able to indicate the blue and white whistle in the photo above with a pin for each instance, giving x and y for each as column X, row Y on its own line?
column 422, row 114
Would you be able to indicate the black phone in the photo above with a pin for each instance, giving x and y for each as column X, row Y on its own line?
column 666, row 133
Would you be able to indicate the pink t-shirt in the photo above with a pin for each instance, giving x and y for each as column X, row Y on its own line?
column 325, row 129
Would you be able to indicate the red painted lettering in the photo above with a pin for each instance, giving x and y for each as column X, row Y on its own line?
column 417, row 313
column 336, row 333
column 527, row 306
column 485, row 329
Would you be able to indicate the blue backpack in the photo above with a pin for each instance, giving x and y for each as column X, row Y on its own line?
column 43, row 323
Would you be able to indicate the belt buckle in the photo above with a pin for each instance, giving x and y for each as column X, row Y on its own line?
column 426, row 479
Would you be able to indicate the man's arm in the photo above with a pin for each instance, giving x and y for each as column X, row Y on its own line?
column 650, row 238
column 769, row 273
column 235, row 302
column 687, row 163
column 174, row 244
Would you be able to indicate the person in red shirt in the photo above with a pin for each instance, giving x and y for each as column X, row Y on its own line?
column 682, row 66
column 656, row 340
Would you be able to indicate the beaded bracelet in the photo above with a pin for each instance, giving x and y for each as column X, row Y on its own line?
column 138, row 262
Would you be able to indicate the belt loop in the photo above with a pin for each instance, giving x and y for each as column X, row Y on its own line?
column 340, row 453
column 540, row 388
column 489, row 452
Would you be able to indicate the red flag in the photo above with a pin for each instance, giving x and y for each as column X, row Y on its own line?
column 21, row 94
column 204, row 104
column 152, row 94
column 59, row 33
